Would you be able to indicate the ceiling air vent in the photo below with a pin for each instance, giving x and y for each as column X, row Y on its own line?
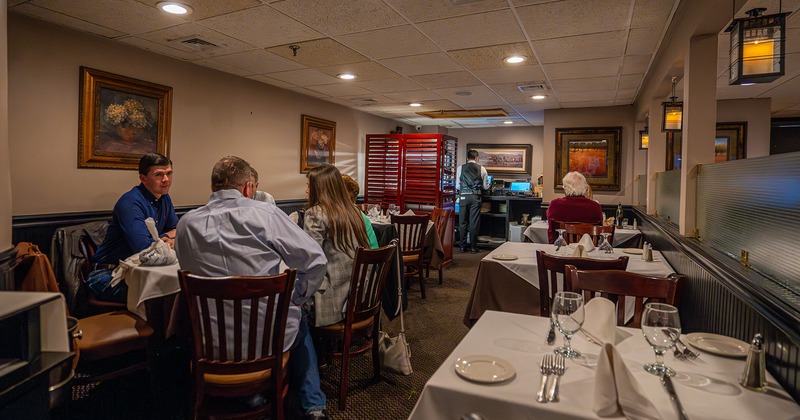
column 196, row 43
column 365, row 101
column 533, row 87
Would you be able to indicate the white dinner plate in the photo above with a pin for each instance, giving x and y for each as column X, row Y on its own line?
column 718, row 344
column 505, row 257
column 633, row 251
column 484, row 369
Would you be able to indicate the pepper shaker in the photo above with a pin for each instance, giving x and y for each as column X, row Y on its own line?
column 754, row 376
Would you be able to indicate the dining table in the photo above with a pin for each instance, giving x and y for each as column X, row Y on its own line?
column 626, row 237
column 512, row 285
column 434, row 250
column 707, row 386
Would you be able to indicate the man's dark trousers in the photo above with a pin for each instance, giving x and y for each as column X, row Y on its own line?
column 469, row 216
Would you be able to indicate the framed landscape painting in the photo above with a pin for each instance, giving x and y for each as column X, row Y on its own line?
column 504, row 159
column 594, row 152
column 730, row 143
column 317, row 142
column 121, row 119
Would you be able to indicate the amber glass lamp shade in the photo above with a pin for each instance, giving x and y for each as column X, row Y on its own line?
column 758, row 48
column 644, row 139
column 672, row 117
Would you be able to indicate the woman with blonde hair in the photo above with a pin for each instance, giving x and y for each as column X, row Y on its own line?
column 337, row 225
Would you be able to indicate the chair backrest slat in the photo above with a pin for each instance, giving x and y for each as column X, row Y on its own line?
column 411, row 231
column 370, row 270
column 575, row 231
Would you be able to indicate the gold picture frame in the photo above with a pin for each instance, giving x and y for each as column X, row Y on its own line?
column 730, row 143
column 317, row 142
column 120, row 119
column 592, row 151
column 504, row 159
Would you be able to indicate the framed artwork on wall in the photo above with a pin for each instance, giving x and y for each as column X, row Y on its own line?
column 730, row 143
column 592, row 151
column 121, row 119
column 317, row 142
column 504, row 159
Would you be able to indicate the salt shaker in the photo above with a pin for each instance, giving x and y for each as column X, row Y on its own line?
column 644, row 250
column 754, row 376
column 648, row 254
column 635, row 226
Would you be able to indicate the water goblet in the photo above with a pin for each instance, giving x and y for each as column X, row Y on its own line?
column 661, row 327
column 605, row 245
column 568, row 315
column 560, row 242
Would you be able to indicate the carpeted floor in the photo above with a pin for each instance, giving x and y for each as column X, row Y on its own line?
column 433, row 328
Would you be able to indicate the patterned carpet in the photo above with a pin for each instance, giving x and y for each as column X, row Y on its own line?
column 433, row 328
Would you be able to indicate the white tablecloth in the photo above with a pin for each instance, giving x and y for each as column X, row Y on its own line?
column 707, row 386
column 537, row 233
column 150, row 282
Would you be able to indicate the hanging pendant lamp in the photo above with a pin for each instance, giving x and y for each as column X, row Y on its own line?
column 672, row 115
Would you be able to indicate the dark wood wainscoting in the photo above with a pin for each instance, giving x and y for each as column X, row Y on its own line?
column 722, row 297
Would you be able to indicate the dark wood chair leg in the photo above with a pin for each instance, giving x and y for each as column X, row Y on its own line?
column 345, row 372
column 441, row 276
column 421, row 282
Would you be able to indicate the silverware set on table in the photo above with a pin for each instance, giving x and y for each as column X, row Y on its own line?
column 552, row 365
column 685, row 352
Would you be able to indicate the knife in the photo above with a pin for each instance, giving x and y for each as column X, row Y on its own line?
column 674, row 397
column 551, row 335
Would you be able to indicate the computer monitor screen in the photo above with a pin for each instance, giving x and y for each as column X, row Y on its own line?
column 520, row 186
column 489, row 179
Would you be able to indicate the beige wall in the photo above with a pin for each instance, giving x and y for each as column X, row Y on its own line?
column 757, row 114
column 592, row 117
column 5, row 173
column 502, row 135
column 213, row 114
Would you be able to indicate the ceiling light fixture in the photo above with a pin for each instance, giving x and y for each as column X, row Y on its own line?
column 346, row 76
column 672, row 112
column 515, row 59
column 758, row 47
column 508, row 122
column 538, row 97
column 174, row 8
column 415, row 104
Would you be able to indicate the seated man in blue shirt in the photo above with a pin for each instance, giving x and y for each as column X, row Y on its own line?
column 127, row 233
column 234, row 235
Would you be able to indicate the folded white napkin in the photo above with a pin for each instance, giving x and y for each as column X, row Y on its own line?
column 158, row 253
column 601, row 321
column 409, row 213
column 580, row 251
column 616, row 391
column 587, row 242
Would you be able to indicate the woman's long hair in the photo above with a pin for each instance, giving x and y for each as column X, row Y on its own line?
column 326, row 189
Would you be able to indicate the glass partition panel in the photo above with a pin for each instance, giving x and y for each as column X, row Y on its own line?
column 668, row 195
column 754, row 205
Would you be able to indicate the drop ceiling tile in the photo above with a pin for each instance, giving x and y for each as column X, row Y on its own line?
column 397, row 41
column 319, row 53
column 536, row 106
column 602, row 45
column 372, row 101
column 436, row 106
column 560, row 19
column 337, row 17
column 601, row 95
column 422, row 64
column 511, row 94
column 340, row 89
column 584, row 85
column 445, row 80
column 64, row 20
column 304, row 77
column 224, row 67
column 312, row 93
column 421, row 11
column 651, row 14
column 364, row 71
column 642, row 41
column 510, row 75
column 481, row 96
column 259, row 62
column 582, row 69
column 414, row 96
column 586, row 104
column 206, row 9
column 635, row 64
column 534, row 117
column 270, row 81
column 170, row 36
column 498, row 27
column 129, row 17
column 792, row 40
column 261, row 26
column 397, row 84
column 625, row 94
column 160, row 48
column 630, row 81
column 491, row 57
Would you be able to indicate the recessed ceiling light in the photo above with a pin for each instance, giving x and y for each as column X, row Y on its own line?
column 508, row 122
column 346, row 76
column 514, row 59
column 415, row 104
column 463, row 93
column 174, row 8
column 538, row 97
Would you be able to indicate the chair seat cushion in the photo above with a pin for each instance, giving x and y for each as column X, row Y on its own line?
column 243, row 378
column 356, row 325
column 112, row 333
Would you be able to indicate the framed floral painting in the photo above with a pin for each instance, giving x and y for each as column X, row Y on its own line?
column 594, row 152
column 317, row 142
column 121, row 119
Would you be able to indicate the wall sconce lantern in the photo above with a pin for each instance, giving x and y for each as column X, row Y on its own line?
column 672, row 116
column 758, row 45
column 644, row 135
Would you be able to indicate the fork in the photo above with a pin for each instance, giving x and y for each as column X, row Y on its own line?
column 546, row 367
column 558, row 370
column 684, row 354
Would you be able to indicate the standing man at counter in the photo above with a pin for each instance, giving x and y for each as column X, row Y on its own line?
column 471, row 180
column 127, row 234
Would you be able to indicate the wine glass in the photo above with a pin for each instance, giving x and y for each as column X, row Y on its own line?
column 568, row 315
column 661, row 327
column 560, row 241
column 606, row 246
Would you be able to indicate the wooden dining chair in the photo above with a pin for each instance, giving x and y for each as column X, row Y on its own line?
column 242, row 355
column 362, row 318
column 443, row 223
column 411, row 231
column 575, row 231
column 551, row 270
column 619, row 284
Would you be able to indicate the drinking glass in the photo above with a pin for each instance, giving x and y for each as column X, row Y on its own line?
column 606, row 246
column 625, row 223
column 560, row 242
column 568, row 315
column 393, row 209
column 661, row 327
